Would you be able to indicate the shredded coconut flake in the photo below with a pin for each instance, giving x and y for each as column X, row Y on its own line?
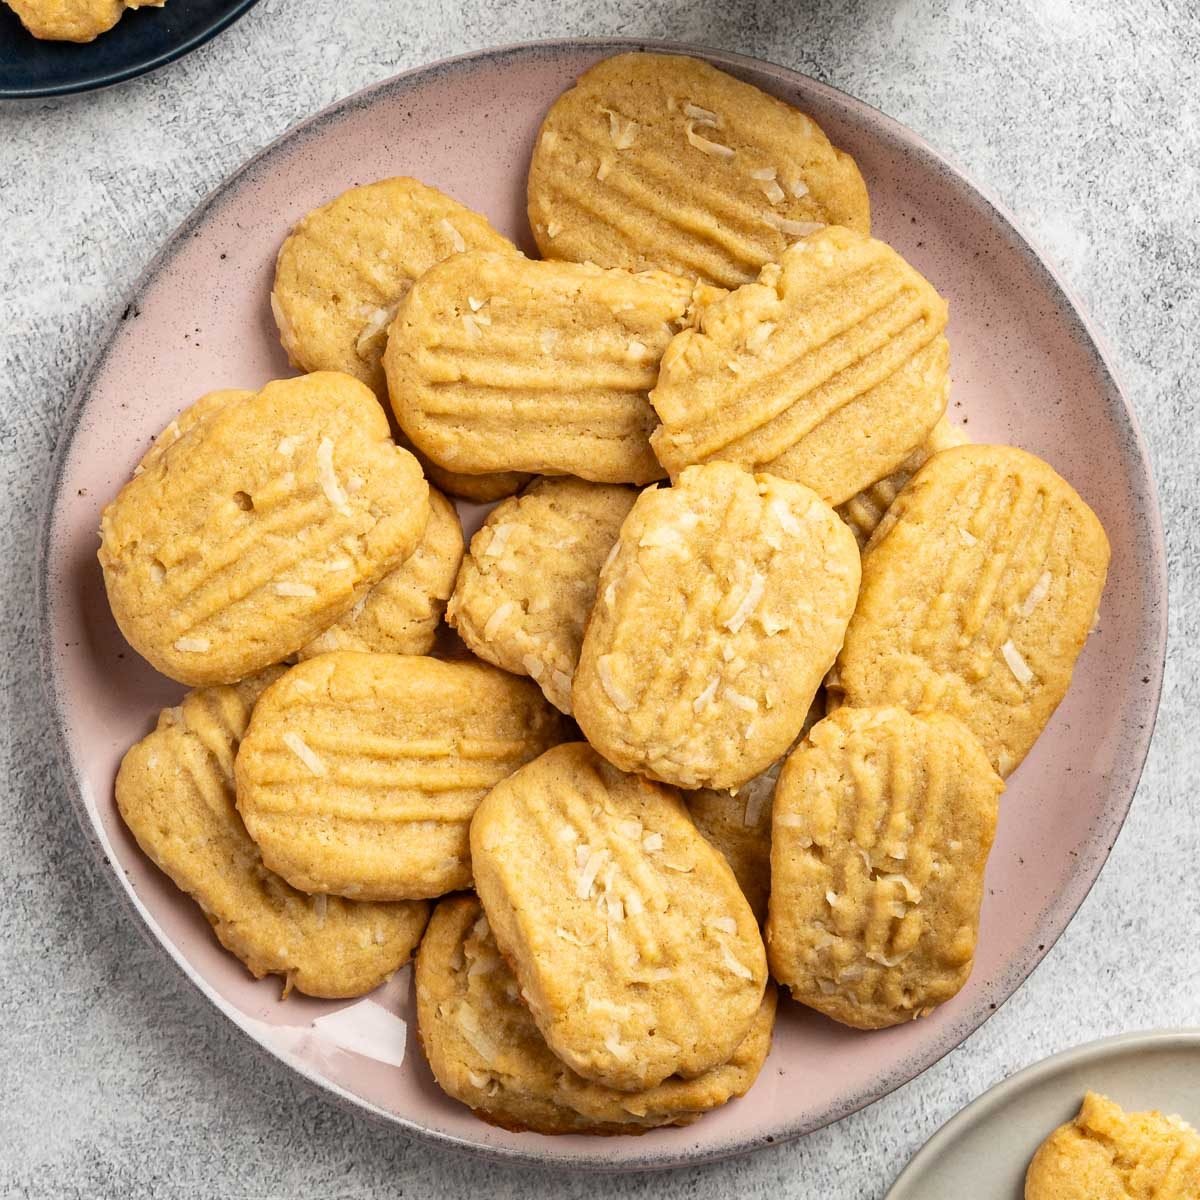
column 553, row 229
column 616, row 1047
column 621, row 131
column 635, row 351
column 831, row 898
column 287, row 588
column 534, row 666
column 475, row 305
column 483, row 966
column 772, row 190
column 328, row 480
column 588, row 872
column 338, row 564
column 701, row 143
column 706, row 696
column 790, row 228
column 652, row 842
column 567, row 936
column 1016, row 664
column 1036, row 595
column 499, row 540
column 630, row 828
column 192, row 645
column 456, row 238
column 603, row 170
column 621, row 700
column 764, row 173
column 478, row 1080
column 759, row 336
column 724, row 924
column 912, row 893
column 749, row 602
column 738, row 699
column 304, row 752
column 500, row 614
column 287, row 446
column 633, row 904
column 472, row 1031
column 378, row 321
column 702, row 116
column 798, row 188
column 471, row 325
column 738, row 967
column 756, row 800
column 968, row 538
column 886, row 961
column 320, row 905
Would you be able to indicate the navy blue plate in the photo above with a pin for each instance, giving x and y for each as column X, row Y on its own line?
column 142, row 40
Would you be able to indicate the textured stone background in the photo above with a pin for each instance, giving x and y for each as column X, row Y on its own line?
column 116, row 1078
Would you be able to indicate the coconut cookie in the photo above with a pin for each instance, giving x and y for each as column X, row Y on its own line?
column 882, row 826
column 496, row 363
column 979, row 589
column 656, row 160
column 1106, row 1153
column 73, row 20
column 256, row 521
column 346, row 266
column 864, row 511
column 175, row 792
column 360, row 773
column 528, row 584
column 723, row 606
column 401, row 613
column 485, row 1049
column 635, row 950
column 831, row 369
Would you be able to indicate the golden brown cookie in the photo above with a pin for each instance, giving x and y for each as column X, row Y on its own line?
column 175, row 792
column 73, row 20
column 635, row 950
column 721, row 610
column 485, row 1050
column 401, row 613
column 345, row 267
column 979, row 588
column 256, row 521
column 656, row 160
column 359, row 773
column 527, row 585
column 496, row 363
column 864, row 511
column 738, row 823
column 882, row 826
column 1106, row 1153
column 829, row 370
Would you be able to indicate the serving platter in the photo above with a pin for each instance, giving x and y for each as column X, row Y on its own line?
column 1026, row 370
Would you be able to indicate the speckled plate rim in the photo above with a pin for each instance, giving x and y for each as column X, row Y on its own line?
column 984, row 1107
column 109, row 78
column 1054, row 918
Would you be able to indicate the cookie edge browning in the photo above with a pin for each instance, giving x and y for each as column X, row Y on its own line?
column 943, row 726
column 513, row 945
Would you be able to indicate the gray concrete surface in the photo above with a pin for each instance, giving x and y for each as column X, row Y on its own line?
column 116, row 1078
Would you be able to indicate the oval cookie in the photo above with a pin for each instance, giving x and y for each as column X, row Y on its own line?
column 175, row 792
column 830, row 369
column 497, row 363
column 979, row 588
column 635, row 950
column 256, row 521
column 401, row 613
column 529, row 581
column 359, row 773
column 864, row 511
column 721, row 610
column 1106, row 1153
column 656, row 160
column 346, row 266
column 882, row 826
column 485, row 1050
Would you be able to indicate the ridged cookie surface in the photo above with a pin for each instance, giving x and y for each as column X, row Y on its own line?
column 74, row 20
column 529, row 581
column 979, row 589
column 635, row 950
column 359, row 773
column 1106, row 1153
column 864, row 511
column 656, row 160
column 497, row 363
column 175, row 792
column 255, row 522
column 345, row 267
column 724, row 604
column 830, row 369
column 883, row 822
column 401, row 613
column 485, row 1050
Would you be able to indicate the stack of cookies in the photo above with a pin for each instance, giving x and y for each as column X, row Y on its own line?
column 740, row 659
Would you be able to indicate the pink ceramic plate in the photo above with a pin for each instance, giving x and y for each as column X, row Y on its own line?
column 1026, row 370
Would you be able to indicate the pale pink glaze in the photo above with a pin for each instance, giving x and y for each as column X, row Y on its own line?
column 1025, row 371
